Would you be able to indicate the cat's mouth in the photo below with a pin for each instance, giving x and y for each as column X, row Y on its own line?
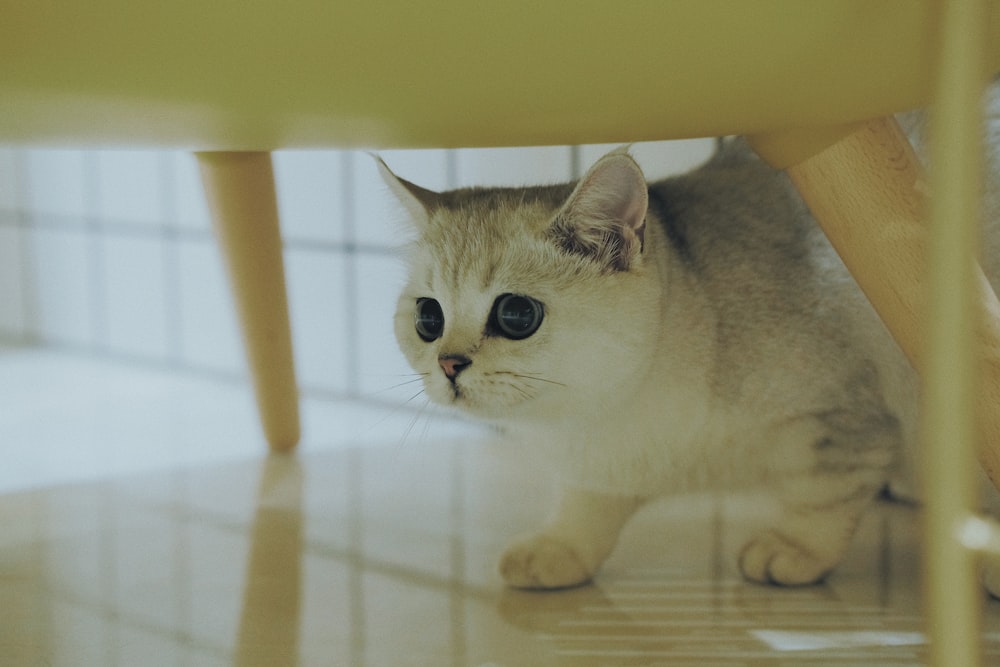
column 495, row 393
column 468, row 396
column 464, row 399
column 452, row 394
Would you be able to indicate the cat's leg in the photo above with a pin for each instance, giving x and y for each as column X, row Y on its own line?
column 824, row 488
column 807, row 544
column 574, row 543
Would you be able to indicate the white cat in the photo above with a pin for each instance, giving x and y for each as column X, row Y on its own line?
column 691, row 332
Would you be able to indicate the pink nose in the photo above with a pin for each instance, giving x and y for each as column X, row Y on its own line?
column 453, row 364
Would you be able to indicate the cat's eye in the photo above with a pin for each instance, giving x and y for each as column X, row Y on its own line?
column 429, row 320
column 515, row 316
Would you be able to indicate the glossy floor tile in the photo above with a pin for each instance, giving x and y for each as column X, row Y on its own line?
column 383, row 554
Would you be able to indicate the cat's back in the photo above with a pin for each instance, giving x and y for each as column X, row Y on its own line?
column 787, row 314
column 734, row 212
column 747, row 239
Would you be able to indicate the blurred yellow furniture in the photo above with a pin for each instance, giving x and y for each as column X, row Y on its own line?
column 234, row 80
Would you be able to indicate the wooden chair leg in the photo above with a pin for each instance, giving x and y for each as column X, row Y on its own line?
column 240, row 191
column 869, row 193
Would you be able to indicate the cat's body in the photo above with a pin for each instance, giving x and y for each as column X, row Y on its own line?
column 699, row 331
column 755, row 326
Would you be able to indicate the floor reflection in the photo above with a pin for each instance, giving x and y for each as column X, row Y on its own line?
column 271, row 614
column 385, row 557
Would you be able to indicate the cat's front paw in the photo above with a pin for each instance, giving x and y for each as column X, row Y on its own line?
column 774, row 559
column 542, row 562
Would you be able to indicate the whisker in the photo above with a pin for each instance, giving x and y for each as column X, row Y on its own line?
column 413, row 397
column 419, row 378
column 427, row 420
column 536, row 378
column 394, row 411
column 413, row 421
column 518, row 387
column 523, row 391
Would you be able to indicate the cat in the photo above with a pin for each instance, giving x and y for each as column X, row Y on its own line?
column 653, row 338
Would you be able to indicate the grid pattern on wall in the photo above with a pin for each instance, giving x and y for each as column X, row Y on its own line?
column 110, row 252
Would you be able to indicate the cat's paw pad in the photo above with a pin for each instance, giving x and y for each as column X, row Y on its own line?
column 773, row 559
column 541, row 562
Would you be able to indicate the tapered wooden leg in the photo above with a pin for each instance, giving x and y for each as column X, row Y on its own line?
column 869, row 193
column 240, row 191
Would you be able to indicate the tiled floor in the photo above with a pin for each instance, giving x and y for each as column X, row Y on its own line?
column 142, row 524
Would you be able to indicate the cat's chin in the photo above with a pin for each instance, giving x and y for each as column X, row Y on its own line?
column 474, row 405
column 484, row 412
column 488, row 411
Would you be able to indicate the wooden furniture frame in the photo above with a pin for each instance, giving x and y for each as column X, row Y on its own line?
column 813, row 84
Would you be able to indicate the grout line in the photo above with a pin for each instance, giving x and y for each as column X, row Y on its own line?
column 29, row 284
column 351, row 285
column 13, row 218
column 345, row 248
column 25, row 331
column 170, row 251
column 28, row 329
column 122, row 228
column 97, row 262
column 96, row 230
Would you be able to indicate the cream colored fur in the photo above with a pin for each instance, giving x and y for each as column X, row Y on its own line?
column 697, row 332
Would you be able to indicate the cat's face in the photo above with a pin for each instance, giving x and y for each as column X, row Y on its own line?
column 515, row 307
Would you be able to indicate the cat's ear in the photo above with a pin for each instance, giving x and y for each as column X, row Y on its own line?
column 418, row 201
column 605, row 217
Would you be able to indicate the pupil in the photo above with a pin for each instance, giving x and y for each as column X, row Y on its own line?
column 518, row 314
column 515, row 316
column 429, row 319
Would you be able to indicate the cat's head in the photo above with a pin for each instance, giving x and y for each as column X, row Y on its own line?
column 528, row 302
